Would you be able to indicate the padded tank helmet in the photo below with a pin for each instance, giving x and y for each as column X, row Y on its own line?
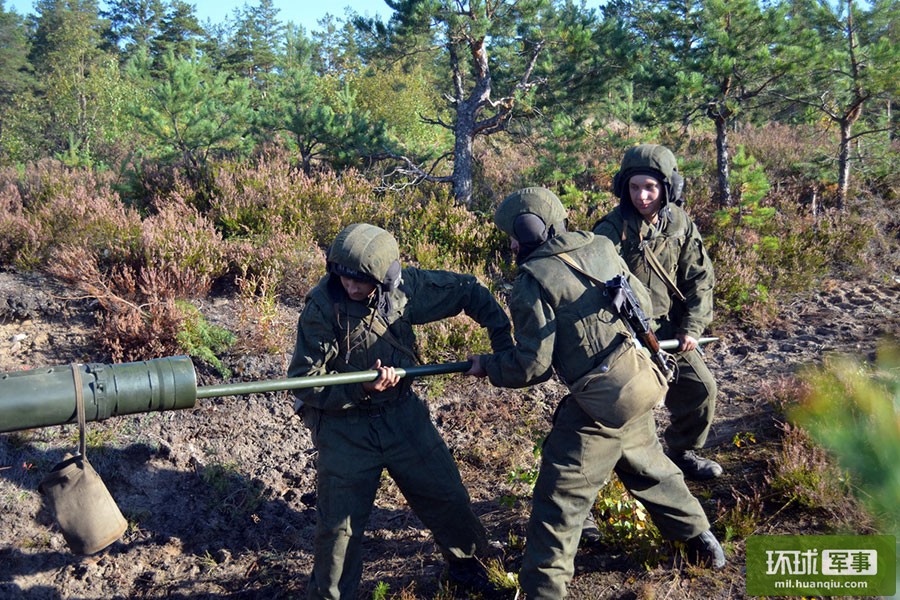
column 367, row 253
column 653, row 160
column 530, row 216
column 512, row 214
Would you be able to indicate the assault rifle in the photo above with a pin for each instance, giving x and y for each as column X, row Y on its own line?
column 628, row 307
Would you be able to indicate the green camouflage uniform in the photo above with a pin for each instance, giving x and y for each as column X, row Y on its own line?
column 564, row 323
column 359, row 435
column 676, row 243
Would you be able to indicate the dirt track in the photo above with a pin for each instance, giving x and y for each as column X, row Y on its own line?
column 220, row 499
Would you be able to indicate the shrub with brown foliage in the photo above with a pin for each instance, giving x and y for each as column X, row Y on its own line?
column 16, row 233
column 139, row 317
column 183, row 243
column 52, row 205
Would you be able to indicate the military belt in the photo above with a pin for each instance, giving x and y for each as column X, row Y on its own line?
column 372, row 411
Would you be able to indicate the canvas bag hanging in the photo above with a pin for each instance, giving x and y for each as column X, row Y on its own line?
column 624, row 387
column 83, row 507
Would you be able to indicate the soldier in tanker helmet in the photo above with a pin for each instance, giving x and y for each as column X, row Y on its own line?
column 663, row 248
column 564, row 322
column 359, row 317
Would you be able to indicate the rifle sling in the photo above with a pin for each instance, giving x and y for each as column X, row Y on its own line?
column 653, row 261
column 657, row 267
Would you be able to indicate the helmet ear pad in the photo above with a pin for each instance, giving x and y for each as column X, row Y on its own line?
column 530, row 230
column 392, row 279
column 619, row 184
column 676, row 189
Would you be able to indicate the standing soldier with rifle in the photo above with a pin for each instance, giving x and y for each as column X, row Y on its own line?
column 566, row 322
column 360, row 316
column 663, row 249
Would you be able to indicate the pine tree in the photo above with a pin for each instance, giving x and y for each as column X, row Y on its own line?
column 709, row 59
column 464, row 31
column 851, row 59
column 180, row 33
column 255, row 46
column 322, row 120
column 18, row 118
column 133, row 24
column 194, row 115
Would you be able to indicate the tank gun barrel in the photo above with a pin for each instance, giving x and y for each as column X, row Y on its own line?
column 46, row 396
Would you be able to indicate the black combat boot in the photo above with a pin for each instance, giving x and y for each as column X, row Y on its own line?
column 694, row 467
column 705, row 550
column 590, row 533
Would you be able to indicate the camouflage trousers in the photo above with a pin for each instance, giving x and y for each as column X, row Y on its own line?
column 579, row 455
column 354, row 449
column 691, row 401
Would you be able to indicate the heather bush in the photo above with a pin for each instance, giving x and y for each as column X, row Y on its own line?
column 183, row 242
column 788, row 152
column 806, row 475
column 275, row 220
column 17, row 236
column 260, row 198
column 290, row 264
column 335, row 202
column 261, row 326
column 787, row 251
column 139, row 318
column 768, row 245
column 502, row 169
column 451, row 340
column 50, row 205
column 442, row 235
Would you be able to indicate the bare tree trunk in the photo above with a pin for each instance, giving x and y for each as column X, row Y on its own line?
column 722, row 160
column 893, row 133
column 844, row 164
column 463, row 154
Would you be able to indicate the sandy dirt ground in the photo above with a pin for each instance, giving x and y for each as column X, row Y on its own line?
column 220, row 498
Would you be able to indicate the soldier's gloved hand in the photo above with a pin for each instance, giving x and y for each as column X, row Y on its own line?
column 387, row 378
column 477, row 370
column 688, row 342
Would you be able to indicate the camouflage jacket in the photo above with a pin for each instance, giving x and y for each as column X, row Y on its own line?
column 677, row 246
column 336, row 334
column 563, row 321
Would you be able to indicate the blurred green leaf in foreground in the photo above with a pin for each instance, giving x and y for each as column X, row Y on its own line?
column 853, row 410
